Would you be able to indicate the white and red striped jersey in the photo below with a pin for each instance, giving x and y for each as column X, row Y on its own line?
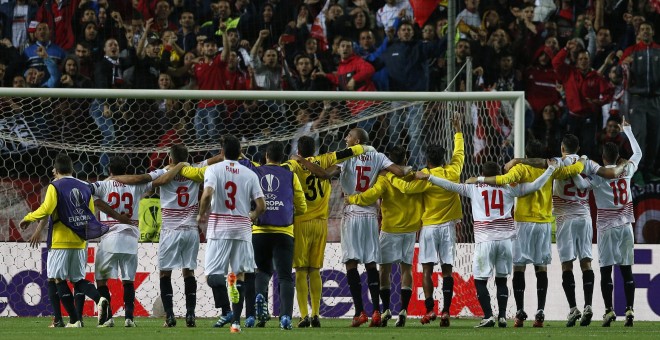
column 614, row 196
column 235, row 186
column 124, row 199
column 359, row 174
column 568, row 200
column 492, row 204
column 179, row 203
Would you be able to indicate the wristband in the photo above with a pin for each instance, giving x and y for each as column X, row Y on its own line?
column 480, row 179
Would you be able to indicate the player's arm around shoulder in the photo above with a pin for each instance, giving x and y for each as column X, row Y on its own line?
column 371, row 195
column 353, row 151
column 193, row 174
column 412, row 187
column 566, row 172
column 461, row 189
column 299, row 201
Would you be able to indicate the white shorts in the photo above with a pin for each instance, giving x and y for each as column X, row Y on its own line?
column 178, row 249
column 397, row 247
column 359, row 238
column 107, row 265
column 222, row 254
column 532, row 244
column 437, row 243
column 574, row 239
column 615, row 246
column 492, row 255
column 66, row 264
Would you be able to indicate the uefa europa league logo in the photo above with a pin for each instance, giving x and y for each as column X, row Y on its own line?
column 270, row 183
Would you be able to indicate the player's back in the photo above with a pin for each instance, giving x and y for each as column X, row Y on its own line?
column 317, row 190
column 235, row 186
column 401, row 212
column 567, row 199
column 360, row 173
column 614, row 199
column 124, row 199
column 179, row 203
column 491, row 211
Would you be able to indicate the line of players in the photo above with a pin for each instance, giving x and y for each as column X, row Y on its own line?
column 429, row 202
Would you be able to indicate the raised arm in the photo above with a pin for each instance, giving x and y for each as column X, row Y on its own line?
column 637, row 151
column 263, row 34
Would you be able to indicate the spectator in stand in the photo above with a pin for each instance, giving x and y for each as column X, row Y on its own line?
column 253, row 22
column 176, row 53
column 11, row 59
column 55, row 52
column 186, row 36
column 618, row 104
column 600, row 47
column 59, row 17
column 527, row 35
column 17, row 15
column 509, row 78
column 391, row 10
column 490, row 22
column 36, row 77
column 234, row 80
column 161, row 18
column 353, row 74
column 89, row 34
column 540, row 81
column 368, row 50
column 644, row 89
column 613, row 134
column 242, row 53
column 108, row 74
column 85, row 61
column 586, row 91
column 222, row 16
column 267, row 75
column 468, row 20
column 406, row 59
column 350, row 25
column 150, row 63
column 71, row 77
column 208, row 72
column 491, row 49
column 303, row 80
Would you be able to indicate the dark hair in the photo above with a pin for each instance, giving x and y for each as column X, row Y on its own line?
column 615, row 119
column 118, row 165
column 275, row 152
column 63, row 164
column 179, row 153
column 435, row 154
column 610, row 153
column 398, row 154
column 342, row 39
column 362, row 135
column 571, row 143
column 306, row 146
column 232, row 147
column 491, row 169
column 534, row 149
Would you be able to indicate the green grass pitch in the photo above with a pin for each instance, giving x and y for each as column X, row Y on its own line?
column 151, row 328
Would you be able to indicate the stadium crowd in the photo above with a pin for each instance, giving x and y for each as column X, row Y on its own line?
column 581, row 63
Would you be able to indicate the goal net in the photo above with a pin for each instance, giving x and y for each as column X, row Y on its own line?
column 94, row 125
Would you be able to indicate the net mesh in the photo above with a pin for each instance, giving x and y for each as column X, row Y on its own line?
column 34, row 130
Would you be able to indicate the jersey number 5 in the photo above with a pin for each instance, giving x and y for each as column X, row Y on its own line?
column 362, row 179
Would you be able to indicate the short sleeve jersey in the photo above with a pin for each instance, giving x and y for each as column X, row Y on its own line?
column 235, row 187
